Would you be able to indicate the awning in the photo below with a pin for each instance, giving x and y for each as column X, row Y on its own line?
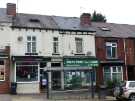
column 30, row 58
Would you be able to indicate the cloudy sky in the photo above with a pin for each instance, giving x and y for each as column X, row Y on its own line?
column 116, row 11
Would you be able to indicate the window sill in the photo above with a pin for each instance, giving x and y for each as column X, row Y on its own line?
column 31, row 53
column 27, row 82
column 2, row 80
column 79, row 54
column 111, row 58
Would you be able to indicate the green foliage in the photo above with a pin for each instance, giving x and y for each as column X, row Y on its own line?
column 112, row 83
column 75, row 81
column 98, row 17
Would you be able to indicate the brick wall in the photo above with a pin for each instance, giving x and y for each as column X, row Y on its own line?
column 5, row 85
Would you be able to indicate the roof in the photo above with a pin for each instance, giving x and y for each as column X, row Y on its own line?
column 49, row 22
column 67, row 23
column 115, row 30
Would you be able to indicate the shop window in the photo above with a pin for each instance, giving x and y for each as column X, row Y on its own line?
column 2, row 70
column 26, row 72
column 78, row 79
column 111, row 50
column 113, row 73
column 31, row 44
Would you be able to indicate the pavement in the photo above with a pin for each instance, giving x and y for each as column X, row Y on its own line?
column 42, row 97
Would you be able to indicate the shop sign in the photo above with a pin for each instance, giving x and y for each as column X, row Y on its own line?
column 80, row 62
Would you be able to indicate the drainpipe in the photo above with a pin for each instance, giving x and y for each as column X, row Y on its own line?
column 124, row 40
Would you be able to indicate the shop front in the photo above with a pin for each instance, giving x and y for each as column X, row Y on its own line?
column 30, row 74
column 79, row 72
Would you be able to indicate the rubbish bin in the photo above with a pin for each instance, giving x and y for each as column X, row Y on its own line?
column 102, row 91
column 13, row 87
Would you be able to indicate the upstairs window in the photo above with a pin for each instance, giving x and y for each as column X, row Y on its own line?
column 55, row 45
column 111, row 50
column 2, row 70
column 79, row 45
column 31, row 44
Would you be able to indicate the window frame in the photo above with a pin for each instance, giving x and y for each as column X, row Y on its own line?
column 55, row 45
column 31, row 42
column 111, row 71
column 110, row 44
column 77, row 39
column 4, row 71
column 38, row 74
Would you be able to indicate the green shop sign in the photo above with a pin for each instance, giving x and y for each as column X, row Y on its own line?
column 80, row 62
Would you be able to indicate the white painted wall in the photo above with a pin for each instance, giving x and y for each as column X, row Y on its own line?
column 4, row 36
column 45, row 42
column 28, row 88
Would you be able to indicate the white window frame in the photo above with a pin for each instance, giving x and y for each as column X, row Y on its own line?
column 27, row 81
column 31, row 44
column 56, row 45
column 112, row 46
column 76, row 43
column 4, row 70
column 111, row 71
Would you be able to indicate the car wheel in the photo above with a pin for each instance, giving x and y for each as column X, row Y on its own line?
column 132, row 97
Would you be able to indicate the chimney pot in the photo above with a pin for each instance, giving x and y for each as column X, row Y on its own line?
column 11, row 9
column 85, row 19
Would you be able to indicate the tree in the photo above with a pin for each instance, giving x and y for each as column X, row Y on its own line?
column 98, row 17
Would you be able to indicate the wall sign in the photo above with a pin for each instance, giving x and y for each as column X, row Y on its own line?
column 80, row 62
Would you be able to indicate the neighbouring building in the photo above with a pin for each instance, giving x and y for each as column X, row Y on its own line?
column 115, row 50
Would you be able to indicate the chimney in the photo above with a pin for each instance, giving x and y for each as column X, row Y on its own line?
column 85, row 19
column 11, row 9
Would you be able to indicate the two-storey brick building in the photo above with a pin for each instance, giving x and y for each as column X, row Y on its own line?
column 115, row 50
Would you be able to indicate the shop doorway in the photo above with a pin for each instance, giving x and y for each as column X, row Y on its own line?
column 43, row 81
column 56, row 80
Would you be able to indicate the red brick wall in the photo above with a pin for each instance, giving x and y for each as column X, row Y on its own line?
column 101, row 54
column 5, row 85
column 130, row 51
column 101, row 49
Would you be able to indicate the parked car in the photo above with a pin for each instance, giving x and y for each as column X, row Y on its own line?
column 125, row 90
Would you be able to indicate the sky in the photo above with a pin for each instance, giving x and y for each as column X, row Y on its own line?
column 116, row 11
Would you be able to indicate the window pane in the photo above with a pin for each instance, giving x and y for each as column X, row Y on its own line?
column 28, row 47
column 108, row 50
column 119, row 69
column 132, row 84
column 107, row 76
column 114, row 69
column 29, row 38
column 33, row 47
column 107, row 69
column 2, row 72
column 114, row 52
column 33, row 38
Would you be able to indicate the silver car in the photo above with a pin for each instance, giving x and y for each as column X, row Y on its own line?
column 126, row 90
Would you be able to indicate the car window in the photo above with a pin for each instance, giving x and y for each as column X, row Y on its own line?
column 132, row 84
